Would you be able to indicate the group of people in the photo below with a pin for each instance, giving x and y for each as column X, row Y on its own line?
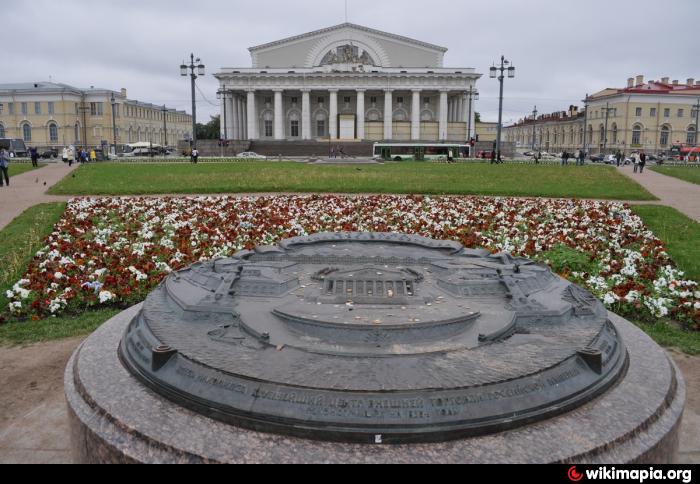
column 80, row 155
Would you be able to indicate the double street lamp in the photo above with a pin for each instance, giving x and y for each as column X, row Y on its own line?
column 506, row 66
column 194, row 71
column 114, row 123
column 473, row 95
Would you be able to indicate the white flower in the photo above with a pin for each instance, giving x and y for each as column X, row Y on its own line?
column 106, row 296
column 632, row 296
column 58, row 276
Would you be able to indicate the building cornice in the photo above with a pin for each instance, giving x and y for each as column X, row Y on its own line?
column 309, row 35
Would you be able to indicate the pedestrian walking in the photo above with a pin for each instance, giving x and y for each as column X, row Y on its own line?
column 65, row 155
column 618, row 157
column 195, row 156
column 4, row 166
column 563, row 158
column 71, row 156
column 635, row 159
column 34, row 155
column 93, row 156
column 83, row 156
column 642, row 161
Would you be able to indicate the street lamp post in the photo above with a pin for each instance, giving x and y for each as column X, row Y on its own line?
column 114, row 123
column 194, row 71
column 494, row 74
column 165, row 130
column 534, row 127
column 473, row 96
column 585, row 124
column 222, row 95
column 607, row 115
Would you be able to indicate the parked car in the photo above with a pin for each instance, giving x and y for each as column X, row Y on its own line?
column 251, row 156
column 49, row 154
column 597, row 158
column 610, row 160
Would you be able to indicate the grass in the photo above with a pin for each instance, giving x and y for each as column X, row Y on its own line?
column 19, row 168
column 52, row 329
column 21, row 239
column 401, row 178
column 680, row 234
column 689, row 173
column 670, row 336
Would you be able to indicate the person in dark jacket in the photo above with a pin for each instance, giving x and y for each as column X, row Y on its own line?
column 4, row 165
column 34, row 154
column 642, row 161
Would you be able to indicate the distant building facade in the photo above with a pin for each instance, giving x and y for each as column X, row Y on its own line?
column 555, row 132
column 347, row 82
column 52, row 115
column 644, row 116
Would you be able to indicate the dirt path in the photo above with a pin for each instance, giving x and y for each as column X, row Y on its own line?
column 34, row 421
column 679, row 194
column 29, row 189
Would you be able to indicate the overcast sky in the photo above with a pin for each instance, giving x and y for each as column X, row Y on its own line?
column 562, row 49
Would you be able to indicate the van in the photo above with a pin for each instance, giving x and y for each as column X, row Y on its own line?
column 15, row 146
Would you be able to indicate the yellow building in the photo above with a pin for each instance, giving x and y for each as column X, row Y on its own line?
column 51, row 115
column 648, row 117
column 486, row 131
column 555, row 132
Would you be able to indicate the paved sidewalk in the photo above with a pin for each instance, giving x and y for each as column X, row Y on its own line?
column 29, row 189
column 679, row 194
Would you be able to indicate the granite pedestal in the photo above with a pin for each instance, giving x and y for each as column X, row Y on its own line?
column 116, row 419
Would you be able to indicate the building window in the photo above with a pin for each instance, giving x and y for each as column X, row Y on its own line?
column 399, row 100
column 27, row 132
column 25, row 110
column 320, row 128
column 691, row 136
column 295, row 129
column 268, row 128
column 680, row 113
column 96, row 109
column 638, row 112
column 321, row 100
column 693, row 113
column 667, row 113
column 295, row 100
column 426, row 100
column 347, row 99
column 37, row 108
column 637, row 135
column 51, row 108
column 76, row 109
column 665, row 135
column 53, row 133
column 652, row 112
column 77, row 132
column 11, row 108
column 614, row 134
column 2, row 131
column 2, row 108
column 268, row 100
column 602, row 135
column 373, row 100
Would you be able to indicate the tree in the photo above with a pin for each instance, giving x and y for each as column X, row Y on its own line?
column 477, row 117
column 211, row 130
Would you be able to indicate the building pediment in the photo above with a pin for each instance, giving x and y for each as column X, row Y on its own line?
column 347, row 44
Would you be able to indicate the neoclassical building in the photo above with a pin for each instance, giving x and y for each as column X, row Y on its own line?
column 347, row 82
column 52, row 115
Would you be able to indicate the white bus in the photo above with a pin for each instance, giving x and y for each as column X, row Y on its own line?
column 420, row 151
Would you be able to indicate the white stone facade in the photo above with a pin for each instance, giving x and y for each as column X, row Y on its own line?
column 350, row 83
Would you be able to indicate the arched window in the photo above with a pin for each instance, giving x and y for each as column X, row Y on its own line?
column 556, row 136
column 636, row 135
column 665, row 136
column 2, row 131
column 691, row 135
column 321, row 125
column 27, row 132
column 77, row 132
column 589, row 141
column 602, row 134
column 268, row 124
column 53, row 133
column 294, row 124
column 614, row 133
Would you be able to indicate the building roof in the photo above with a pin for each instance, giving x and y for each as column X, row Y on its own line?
column 651, row 88
column 352, row 26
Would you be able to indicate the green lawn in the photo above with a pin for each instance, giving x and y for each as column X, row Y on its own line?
column 690, row 174
column 402, row 178
column 680, row 234
column 19, row 168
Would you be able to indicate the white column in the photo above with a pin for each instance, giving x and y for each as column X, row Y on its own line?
column 465, row 110
column 388, row 113
column 361, row 114
column 252, row 116
column 279, row 115
column 333, row 114
column 450, row 109
column 415, row 115
column 443, row 116
column 229, row 133
column 244, row 125
column 239, row 115
column 305, row 114
column 234, row 121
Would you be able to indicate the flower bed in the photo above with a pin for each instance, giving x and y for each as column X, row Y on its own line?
column 113, row 251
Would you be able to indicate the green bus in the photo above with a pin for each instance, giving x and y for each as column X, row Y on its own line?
column 419, row 151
